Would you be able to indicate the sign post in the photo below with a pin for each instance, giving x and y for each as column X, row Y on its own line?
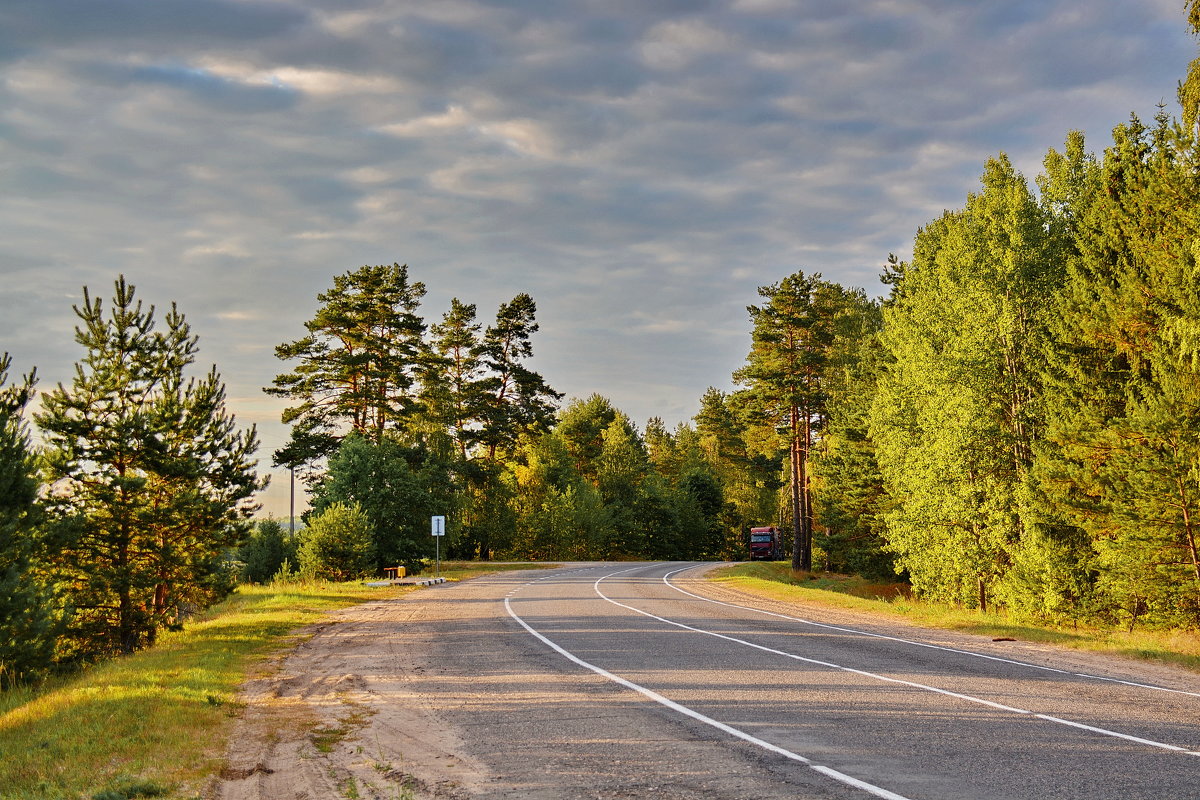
column 439, row 530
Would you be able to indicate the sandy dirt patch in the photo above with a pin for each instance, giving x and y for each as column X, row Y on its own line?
column 339, row 717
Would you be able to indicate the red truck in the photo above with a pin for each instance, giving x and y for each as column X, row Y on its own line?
column 765, row 544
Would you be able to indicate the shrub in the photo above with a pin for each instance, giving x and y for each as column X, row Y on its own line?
column 337, row 544
column 265, row 551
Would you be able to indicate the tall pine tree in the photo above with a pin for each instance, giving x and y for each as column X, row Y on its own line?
column 358, row 366
column 793, row 337
column 149, row 476
column 1124, row 425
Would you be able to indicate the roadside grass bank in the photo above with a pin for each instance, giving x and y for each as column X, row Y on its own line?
column 156, row 723
column 776, row 580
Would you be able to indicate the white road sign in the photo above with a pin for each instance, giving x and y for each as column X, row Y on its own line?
column 439, row 526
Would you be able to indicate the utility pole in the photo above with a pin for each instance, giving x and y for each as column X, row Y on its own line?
column 292, row 502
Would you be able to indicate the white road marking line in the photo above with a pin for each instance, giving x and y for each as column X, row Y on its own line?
column 829, row 772
column 666, row 580
column 886, row 679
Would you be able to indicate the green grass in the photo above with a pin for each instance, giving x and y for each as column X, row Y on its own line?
column 776, row 580
column 155, row 724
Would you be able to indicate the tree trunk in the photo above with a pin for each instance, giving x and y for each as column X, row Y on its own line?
column 800, row 558
column 806, row 524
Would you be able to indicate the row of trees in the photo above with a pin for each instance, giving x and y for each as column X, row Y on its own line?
column 120, row 523
column 1018, row 423
column 404, row 420
column 1036, row 417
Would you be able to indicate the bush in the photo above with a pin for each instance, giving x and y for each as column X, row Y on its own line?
column 337, row 544
column 265, row 551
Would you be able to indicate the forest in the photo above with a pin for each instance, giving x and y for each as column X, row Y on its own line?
column 1014, row 425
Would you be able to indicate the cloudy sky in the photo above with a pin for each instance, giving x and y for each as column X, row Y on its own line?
column 639, row 166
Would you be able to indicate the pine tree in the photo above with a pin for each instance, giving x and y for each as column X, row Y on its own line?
column 28, row 617
column 853, row 498
column 1124, row 425
column 516, row 399
column 149, row 476
column 749, row 475
column 794, row 333
column 451, row 387
column 358, row 366
column 479, row 387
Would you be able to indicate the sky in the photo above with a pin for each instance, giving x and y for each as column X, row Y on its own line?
column 640, row 167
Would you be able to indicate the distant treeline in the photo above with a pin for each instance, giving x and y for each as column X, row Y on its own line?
column 404, row 420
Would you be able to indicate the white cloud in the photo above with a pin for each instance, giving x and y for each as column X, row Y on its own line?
column 526, row 136
column 673, row 45
column 455, row 117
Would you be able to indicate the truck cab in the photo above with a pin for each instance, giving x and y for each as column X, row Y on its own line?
column 765, row 544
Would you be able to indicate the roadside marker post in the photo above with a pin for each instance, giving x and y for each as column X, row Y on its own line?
column 439, row 530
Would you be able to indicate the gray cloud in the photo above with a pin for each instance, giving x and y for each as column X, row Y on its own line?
column 639, row 167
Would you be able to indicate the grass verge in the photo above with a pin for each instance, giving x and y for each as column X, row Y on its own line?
column 155, row 724
column 775, row 580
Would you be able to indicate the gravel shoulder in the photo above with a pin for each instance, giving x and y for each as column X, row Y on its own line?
column 341, row 715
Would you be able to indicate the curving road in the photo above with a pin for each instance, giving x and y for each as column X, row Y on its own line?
column 620, row 680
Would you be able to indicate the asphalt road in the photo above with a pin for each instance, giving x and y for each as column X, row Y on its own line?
column 619, row 680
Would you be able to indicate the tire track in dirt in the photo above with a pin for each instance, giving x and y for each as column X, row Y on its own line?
column 338, row 716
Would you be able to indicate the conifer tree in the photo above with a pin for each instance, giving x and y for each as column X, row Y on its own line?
column 358, row 366
column 149, row 476
column 478, row 386
column 853, row 498
column 451, row 388
column 1124, row 424
column 27, row 614
column 515, row 399
column 785, row 372
column 749, row 476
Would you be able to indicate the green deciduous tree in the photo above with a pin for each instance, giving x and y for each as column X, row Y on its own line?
column 150, row 478
column 398, row 485
column 957, row 409
column 560, row 515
